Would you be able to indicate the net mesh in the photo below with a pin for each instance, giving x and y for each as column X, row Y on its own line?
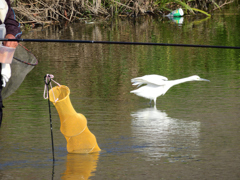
column 73, row 124
column 19, row 70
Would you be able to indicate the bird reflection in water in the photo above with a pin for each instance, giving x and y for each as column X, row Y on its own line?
column 80, row 166
column 163, row 136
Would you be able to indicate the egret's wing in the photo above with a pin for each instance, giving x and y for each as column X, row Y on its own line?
column 149, row 79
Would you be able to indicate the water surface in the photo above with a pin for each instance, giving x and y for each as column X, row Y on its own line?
column 193, row 133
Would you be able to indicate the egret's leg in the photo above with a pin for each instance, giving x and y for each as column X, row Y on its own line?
column 155, row 101
column 150, row 102
column 155, row 107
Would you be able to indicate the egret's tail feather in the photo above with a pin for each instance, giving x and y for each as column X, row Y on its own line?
column 138, row 84
column 137, row 81
column 133, row 91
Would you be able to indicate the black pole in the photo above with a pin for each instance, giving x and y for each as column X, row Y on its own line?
column 47, row 83
column 119, row 42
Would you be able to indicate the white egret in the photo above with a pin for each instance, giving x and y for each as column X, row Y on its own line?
column 157, row 85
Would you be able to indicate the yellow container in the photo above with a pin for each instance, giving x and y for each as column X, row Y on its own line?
column 73, row 124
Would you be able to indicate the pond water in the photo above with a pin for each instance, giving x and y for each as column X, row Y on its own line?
column 193, row 133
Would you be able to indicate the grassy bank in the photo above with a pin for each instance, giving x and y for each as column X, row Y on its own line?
column 33, row 12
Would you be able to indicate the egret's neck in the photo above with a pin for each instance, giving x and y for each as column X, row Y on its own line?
column 179, row 81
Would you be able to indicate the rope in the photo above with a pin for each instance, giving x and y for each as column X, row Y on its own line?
column 25, row 61
column 47, row 79
column 50, row 118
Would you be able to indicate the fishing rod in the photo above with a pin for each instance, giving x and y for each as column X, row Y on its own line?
column 119, row 42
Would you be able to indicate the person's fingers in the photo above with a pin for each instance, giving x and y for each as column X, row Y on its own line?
column 12, row 44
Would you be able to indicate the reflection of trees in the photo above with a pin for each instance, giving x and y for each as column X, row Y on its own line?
column 109, row 68
column 164, row 136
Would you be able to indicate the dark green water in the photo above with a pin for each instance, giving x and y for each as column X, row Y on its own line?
column 193, row 133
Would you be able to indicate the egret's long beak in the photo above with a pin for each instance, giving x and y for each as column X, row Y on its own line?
column 201, row 79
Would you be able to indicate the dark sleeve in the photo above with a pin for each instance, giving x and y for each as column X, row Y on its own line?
column 12, row 26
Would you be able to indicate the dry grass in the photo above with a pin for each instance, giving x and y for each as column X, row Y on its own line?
column 56, row 11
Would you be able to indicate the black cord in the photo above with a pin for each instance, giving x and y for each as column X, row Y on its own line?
column 47, row 83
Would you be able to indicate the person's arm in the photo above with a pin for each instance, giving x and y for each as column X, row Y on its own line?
column 13, row 30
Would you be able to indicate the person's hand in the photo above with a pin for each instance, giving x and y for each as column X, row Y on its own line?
column 12, row 44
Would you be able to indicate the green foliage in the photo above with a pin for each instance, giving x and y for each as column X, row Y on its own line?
column 203, row 12
column 163, row 4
